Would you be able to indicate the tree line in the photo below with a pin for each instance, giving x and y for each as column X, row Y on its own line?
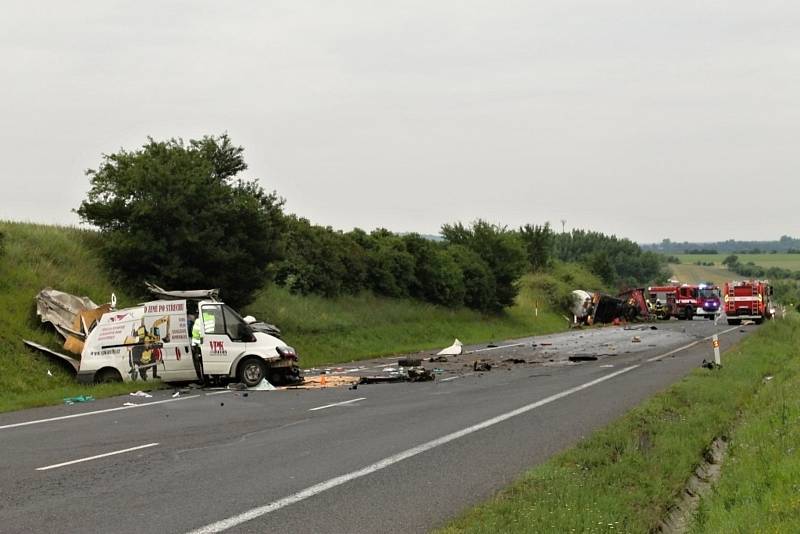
column 180, row 214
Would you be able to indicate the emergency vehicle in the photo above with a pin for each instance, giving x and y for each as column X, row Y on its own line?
column 708, row 301
column 678, row 301
column 748, row 299
column 154, row 339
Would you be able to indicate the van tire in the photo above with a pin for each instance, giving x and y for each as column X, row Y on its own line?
column 107, row 375
column 251, row 371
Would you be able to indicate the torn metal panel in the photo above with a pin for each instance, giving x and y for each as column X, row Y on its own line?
column 72, row 362
column 194, row 294
column 61, row 309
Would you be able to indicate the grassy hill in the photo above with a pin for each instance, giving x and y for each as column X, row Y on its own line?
column 323, row 330
column 692, row 274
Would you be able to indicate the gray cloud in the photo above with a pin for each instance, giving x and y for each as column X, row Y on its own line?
column 408, row 115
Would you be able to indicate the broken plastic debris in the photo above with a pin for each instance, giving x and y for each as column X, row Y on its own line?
column 636, row 339
column 140, row 393
column 262, row 386
column 453, row 350
column 130, row 404
column 176, row 394
column 80, row 398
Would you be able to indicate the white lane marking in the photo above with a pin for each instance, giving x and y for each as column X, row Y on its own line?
column 54, row 466
column 690, row 345
column 218, row 392
column 254, row 513
column 336, row 404
column 495, row 348
column 96, row 412
column 465, row 375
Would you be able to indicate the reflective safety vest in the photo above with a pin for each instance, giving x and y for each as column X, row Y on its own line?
column 207, row 324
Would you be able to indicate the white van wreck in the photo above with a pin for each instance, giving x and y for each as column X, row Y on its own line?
column 154, row 341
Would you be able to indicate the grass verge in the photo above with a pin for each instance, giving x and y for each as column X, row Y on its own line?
column 759, row 490
column 35, row 257
column 625, row 477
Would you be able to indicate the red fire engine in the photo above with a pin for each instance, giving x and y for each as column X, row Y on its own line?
column 679, row 301
column 748, row 299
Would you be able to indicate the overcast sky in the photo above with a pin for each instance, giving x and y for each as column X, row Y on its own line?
column 647, row 119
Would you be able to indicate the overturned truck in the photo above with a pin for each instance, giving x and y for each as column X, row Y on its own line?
column 594, row 308
column 154, row 339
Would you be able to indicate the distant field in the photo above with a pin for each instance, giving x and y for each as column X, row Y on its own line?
column 691, row 274
column 785, row 261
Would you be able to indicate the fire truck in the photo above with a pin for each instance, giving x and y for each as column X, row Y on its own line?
column 708, row 300
column 674, row 301
column 748, row 299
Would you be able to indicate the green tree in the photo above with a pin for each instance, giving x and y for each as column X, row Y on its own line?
column 731, row 260
column 437, row 276
column 539, row 242
column 500, row 248
column 178, row 214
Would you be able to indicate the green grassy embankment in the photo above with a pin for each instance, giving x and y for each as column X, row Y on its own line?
column 35, row 257
column 359, row 327
column 759, row 490
column 323, row 330
column 625, row 477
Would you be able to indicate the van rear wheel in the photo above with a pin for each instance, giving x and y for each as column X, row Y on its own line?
column 252, row 371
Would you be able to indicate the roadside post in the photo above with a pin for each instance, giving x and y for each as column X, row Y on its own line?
column 715, row 344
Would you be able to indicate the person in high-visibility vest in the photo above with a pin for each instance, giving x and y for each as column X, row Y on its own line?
column 205, row 325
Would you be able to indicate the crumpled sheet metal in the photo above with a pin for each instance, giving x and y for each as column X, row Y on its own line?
column 62, row 309
column 194, row 294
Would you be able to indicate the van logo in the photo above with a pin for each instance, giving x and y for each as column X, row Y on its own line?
column 218, row 347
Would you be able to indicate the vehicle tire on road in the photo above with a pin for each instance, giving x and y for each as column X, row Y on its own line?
column 252, row 371
column 733, row 322
column 107, row 376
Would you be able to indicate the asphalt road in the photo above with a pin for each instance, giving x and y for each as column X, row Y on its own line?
column 393, row 458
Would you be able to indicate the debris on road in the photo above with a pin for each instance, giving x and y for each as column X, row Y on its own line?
column 442, row 359
column 636, row 339
column 325, row 381
column 409, row 362
column 453, row 350
column 140, row 393
column 263, row 386
column 419, row 374
column 582, row 358
column 514, row 360
column 80, row 398
column 481, row 365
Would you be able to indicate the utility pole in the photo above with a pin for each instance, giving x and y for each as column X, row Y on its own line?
column 563, row 223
